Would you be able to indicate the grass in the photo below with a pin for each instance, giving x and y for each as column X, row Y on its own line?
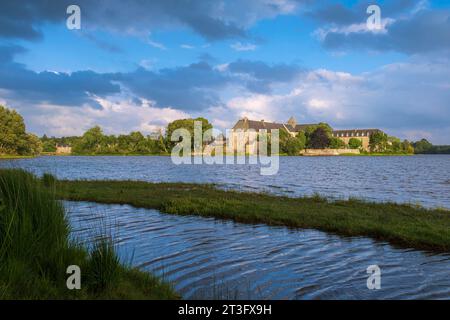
column 7, row 157
column 35, row 250
column 375, row 154
column 401, row 224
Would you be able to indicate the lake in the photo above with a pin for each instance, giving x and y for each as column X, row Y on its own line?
column 209, row 259
column 422, row 179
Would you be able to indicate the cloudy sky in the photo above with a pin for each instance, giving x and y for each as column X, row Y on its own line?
column 136, row 65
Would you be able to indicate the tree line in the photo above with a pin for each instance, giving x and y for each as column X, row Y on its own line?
column 14, row 140
column 95, row 142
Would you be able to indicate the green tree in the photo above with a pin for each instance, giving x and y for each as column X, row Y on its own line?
column 336, row 143
column 293, row 145
column 354, row 143
column 91, row 142
column 422, row 146
column 13, row 137
column 407, row 147
column 187, row 124
column 48, row 146
column 378, row 142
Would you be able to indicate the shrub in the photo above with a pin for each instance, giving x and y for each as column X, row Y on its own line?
column 354, row 143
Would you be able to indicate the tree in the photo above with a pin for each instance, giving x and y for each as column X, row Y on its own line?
column 187, row 124
column 48, row 146
column 336, row 143
column 422, row 146
column 13, row 136
column 378, row 141
column 319, row 139
column 34, row 144
column 354, row 143
column 407, row 147
column 91, row 142
column 293, row 145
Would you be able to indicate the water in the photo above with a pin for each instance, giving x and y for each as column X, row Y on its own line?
column 423, row 179
column 209, row 259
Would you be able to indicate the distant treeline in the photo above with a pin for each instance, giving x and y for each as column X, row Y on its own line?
column 14, row 140
column 95, row 142
column 425, row 147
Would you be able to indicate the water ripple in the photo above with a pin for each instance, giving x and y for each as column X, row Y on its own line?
column 207, row 258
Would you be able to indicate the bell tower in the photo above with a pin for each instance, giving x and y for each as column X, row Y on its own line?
column 292, row 122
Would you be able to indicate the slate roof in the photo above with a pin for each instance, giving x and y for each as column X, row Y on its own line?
column 246, row 124
column 355, row 132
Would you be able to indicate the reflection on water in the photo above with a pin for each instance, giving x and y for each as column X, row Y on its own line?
column 208, row 258
column 415, row 179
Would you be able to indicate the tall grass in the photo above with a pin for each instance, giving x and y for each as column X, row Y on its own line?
column 35, row 249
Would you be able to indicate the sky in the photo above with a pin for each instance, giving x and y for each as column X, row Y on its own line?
column 136, row 65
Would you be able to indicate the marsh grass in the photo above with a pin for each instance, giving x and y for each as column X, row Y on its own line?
column 35, row 250
column 48, row 180
column 401, row 224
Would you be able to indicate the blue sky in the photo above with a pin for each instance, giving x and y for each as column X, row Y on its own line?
column 137, row 65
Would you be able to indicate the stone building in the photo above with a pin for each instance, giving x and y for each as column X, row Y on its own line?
column 244, row 128
column 361, row 134
column 242, row 132
column 63, row 149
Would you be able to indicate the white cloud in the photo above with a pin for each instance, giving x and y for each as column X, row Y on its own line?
column 238, row 46
column 321, row 33
column 154, row 43
column 117, row 116
column 386, row 99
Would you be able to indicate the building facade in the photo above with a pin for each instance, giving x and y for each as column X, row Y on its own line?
column 63, row 149
column 361, row 134
column 245, row 132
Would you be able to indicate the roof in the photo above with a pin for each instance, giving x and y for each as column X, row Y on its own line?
column 355, row 132
column 246, row 124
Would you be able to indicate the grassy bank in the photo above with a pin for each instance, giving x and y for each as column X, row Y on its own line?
column 376, row 154
column 35, row 250
column 15, row 157
column 406, row 225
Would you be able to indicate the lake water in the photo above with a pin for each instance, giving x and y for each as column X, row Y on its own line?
column 208, row 259
column 423, row 179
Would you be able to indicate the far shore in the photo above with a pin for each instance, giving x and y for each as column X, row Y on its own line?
column 7, row 157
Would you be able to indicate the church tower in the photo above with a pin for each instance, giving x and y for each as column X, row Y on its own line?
column 292, row 122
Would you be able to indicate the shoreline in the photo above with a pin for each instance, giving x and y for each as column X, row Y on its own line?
column 37, row 250
column 400, row 224
column 13, row 157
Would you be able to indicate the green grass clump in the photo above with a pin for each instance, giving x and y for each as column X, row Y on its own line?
column 401, row 224
column 104, row 265
column 35, row 250
column 48, row 180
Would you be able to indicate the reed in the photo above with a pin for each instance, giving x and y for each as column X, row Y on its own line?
column 35, row 250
